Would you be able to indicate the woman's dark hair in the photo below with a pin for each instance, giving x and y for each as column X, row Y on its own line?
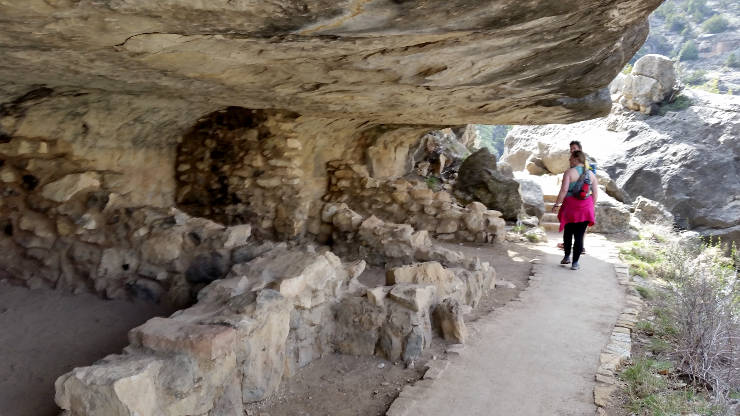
column 577, row 143
column 579, row 155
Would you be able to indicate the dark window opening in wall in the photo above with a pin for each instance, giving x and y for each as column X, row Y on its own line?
column 30, row 182
column 8, row 229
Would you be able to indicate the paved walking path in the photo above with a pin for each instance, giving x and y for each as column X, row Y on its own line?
column 537, row 356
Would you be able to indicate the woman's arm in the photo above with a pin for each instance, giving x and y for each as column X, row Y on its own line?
column 595, row 188
column 563, row 190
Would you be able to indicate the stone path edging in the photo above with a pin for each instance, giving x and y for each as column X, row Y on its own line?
column 619, row 348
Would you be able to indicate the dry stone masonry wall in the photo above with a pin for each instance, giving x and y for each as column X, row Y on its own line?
column 405, row 202
column 240, row 166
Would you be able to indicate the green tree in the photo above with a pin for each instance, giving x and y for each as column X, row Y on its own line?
column 715, row 24
column 689, row 51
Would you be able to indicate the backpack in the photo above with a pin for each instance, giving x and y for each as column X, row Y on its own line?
column 582, row 187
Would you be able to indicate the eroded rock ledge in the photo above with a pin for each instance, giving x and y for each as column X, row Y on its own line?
column 437, row 62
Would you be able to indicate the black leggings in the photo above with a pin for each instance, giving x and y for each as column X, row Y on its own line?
column 574, row 230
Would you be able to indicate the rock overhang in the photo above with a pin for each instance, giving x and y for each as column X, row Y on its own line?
column 434, row 62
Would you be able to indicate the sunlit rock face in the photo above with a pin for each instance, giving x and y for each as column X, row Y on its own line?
column 431, row 62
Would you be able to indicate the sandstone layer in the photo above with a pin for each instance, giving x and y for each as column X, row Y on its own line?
column 436, row 62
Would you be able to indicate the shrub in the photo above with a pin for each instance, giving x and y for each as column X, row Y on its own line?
column 698, row 9
column 645, row 292
column 676, row 23
column 695, row 77
column 689, row 51
column 715, row 24
column 666, row 9
column 732, row 61
column 711, row 86
column 688, row 33
column 680, row 103
column 705, row 309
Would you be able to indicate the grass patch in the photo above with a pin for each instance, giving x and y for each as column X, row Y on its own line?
column 532, row 238
column 645, row 292
column 652, row 391
column 641, row 257
column 665, row 323
column 646, row 327
column 660, row 346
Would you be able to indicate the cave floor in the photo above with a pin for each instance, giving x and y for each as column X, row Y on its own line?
column 44, row 333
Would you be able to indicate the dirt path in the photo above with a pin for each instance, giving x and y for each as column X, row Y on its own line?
column 44, row 333
column 537, row 356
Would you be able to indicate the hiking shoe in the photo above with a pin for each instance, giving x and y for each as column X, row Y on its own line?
column 575, row 266
column 565, row 260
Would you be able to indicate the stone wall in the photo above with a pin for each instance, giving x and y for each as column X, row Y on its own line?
column 407, row 202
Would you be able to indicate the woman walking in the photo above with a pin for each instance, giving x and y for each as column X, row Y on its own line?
column 575, row 214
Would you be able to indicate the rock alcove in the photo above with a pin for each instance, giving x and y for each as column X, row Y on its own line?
column 305, row 116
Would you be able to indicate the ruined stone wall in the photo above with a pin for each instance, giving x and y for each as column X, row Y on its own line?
column 87, row 204
column 407, row 202
column 268, row 168
column 273, row 314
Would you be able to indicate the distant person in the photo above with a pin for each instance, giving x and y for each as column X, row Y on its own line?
column 576, row 214
column 590, row 164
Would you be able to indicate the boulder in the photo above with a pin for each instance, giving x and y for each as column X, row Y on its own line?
column 417, row 297
column 612, row 216
column 555, row 156
column 535, row 166
column 532, row 197
column 658, row 67
column 651, row 212
column 479, row 178
column 651, row 81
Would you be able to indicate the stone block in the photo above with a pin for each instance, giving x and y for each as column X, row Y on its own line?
column 169, row 335
column 413, row 296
